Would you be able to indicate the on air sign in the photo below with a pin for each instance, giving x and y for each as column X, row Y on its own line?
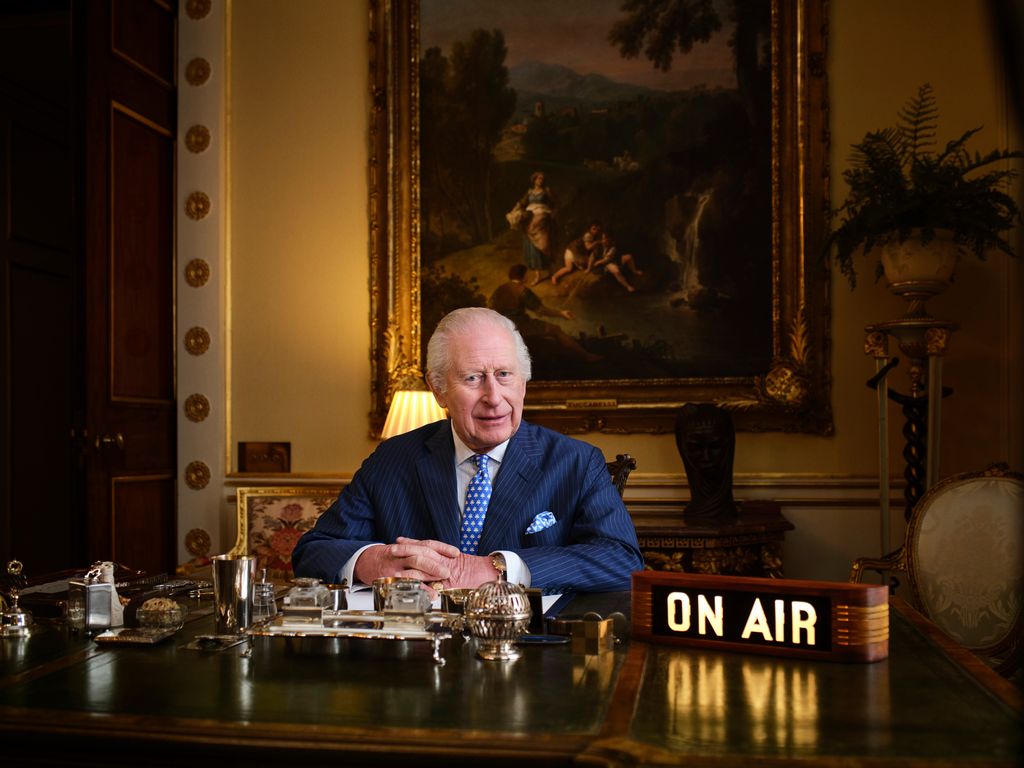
column 810, row 619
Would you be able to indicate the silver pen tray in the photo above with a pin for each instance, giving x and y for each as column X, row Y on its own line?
column 359, row 624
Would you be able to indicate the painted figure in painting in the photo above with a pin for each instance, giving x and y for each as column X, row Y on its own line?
column 706, row 440
column 516, row 301
column 581, row 253
column 533, row 214
column 609, row 260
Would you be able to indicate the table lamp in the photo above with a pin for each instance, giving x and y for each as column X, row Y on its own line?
column 411, row 409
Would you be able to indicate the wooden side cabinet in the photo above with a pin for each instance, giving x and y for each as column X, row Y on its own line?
column 749, row 546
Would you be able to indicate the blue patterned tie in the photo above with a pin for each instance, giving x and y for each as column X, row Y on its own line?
column 478, row 496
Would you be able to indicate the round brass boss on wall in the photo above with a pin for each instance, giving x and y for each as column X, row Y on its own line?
column 197, row 542
column 197, row 340
column 197, row 139
column 197, row 205
column 197, row 407
column 197, row 272
column 198, row 9
column 197, row 475
column 197, row 71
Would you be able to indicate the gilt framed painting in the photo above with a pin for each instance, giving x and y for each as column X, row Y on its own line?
column 641, row 186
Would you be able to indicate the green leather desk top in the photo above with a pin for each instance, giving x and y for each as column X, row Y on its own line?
column 298, row 701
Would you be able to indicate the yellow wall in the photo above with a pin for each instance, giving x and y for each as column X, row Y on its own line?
column 299, row 270
column 299, row 337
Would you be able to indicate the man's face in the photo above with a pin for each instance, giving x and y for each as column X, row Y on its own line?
column 485, row 388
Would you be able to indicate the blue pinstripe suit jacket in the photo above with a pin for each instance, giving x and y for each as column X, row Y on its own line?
column 407, row 488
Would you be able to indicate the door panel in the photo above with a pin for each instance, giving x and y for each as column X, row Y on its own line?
column 141, row 225
column 46, row 531
column 144, row 35
column 130, row 338
column 41, row 170
column 141, row 504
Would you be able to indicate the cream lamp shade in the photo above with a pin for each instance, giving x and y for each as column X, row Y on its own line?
column 411, row 409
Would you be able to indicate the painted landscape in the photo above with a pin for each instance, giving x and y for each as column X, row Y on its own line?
column 652, row 136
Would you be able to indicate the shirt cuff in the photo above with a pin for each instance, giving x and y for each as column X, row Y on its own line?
column 347, row 573
column 516, row 571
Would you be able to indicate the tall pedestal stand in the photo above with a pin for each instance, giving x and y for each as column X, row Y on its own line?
column 923, row 340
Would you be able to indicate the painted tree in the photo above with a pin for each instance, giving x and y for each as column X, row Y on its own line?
column 470, row 103
column 662, row 28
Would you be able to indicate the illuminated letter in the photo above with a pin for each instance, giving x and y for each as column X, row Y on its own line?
column 706, row 615
column 804, row 617
column 757, row 622
column 682, row 601
column 780, row 621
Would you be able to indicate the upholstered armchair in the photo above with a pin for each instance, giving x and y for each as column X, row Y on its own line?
column 963, row 556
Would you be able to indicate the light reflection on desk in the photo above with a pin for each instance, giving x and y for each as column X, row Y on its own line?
column 717, row 701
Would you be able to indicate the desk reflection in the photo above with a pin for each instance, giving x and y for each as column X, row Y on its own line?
column 546, row 686
column 721, row 702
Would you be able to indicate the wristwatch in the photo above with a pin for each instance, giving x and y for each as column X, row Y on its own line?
column 498, row 561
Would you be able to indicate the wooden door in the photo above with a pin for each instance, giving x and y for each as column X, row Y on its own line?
column 41, row 520
column 130, row 122
column 87, row 424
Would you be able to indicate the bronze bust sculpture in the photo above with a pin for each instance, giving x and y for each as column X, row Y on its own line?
column 706, row 440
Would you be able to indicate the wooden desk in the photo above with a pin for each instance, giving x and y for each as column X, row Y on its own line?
column 748, row 546
column 65, row 700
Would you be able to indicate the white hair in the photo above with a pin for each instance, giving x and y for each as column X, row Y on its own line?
column 468, row 321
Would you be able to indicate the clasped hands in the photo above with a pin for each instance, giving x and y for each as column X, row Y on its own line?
column 434, row 562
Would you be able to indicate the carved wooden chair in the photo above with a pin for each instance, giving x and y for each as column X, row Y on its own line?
column 963, row 556
column 620, row 469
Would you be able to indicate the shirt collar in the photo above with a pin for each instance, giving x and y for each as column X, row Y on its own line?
column 462, row 453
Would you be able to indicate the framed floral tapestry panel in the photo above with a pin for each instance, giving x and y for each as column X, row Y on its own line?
column 640, row 186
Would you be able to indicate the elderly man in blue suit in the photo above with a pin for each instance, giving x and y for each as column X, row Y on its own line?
column 457, row 502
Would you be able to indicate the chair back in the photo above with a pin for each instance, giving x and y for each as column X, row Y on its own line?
column 270, row 521
column 965, row 559
column 620, row 469
column 963, row 556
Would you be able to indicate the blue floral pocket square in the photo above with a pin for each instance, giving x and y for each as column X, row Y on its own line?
column 540, row 522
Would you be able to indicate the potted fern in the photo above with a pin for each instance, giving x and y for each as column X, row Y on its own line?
column 906, row 198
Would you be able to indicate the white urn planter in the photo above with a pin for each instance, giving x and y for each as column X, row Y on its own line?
column 917, row 271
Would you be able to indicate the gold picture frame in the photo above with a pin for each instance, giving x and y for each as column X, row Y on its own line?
column 791, row 394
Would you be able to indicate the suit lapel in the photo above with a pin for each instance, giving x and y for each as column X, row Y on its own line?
column 520, row 473
column 436, row 472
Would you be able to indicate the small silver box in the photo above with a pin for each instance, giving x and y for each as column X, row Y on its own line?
column 91, row 602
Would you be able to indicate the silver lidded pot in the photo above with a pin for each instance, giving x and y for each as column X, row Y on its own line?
column 497, row 613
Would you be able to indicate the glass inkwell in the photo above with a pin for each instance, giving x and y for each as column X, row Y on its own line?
column 308, row 592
